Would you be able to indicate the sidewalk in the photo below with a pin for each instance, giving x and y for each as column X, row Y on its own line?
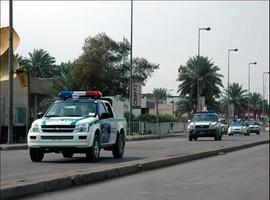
column 135, row 137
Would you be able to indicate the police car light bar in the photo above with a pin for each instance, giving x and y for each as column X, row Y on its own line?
column 70, row 94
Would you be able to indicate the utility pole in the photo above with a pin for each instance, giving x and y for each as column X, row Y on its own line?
column 157, row 124
column 198, row 67
column 11, row 72
column 131, row 62
column 249, row 95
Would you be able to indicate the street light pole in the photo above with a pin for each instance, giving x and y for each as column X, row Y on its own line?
column 11, row 72
column 252, row 63
column 198, row 67
column 228, row 108
column 263, row 96
column 130, row 78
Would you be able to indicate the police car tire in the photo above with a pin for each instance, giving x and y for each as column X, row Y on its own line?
column 216, row 137
column 119, row 147
column 67, row 154
column 93, row 153
column 220, row 137
column 36, row 155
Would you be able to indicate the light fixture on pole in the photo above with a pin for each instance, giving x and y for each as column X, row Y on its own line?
column 198, row 86
column 264, row 97
column 252, row 63
column 228, row 84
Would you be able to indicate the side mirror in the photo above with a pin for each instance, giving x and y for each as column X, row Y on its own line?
column 105, row 115
column 40, row 115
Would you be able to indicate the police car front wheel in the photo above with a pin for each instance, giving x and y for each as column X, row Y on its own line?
column 36, row 154
column 94, row 152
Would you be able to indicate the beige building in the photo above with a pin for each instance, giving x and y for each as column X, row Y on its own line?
column 40, row 89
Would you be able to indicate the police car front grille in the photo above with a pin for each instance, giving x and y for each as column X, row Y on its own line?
column 57, row 128
column 56, row 137
column 202, row 126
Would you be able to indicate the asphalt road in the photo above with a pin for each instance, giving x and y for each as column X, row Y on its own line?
column 17, row 166
column 241, row 175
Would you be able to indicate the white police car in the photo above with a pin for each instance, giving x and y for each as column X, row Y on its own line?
column 204, row 124
column 80, row 122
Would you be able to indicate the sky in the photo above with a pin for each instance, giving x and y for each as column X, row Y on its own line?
column 164, row 32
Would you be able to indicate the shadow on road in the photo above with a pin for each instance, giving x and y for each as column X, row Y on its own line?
column 103, row 160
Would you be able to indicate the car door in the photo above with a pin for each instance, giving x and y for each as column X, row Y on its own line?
column 113, row 122
column 105, row 125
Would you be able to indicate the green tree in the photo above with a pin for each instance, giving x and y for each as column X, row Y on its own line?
column 64, row 80
column 104, row 65
column 160, row 93
column 184, row 106
column 237, row 97
column 39, row 64
column 255, row 103
column 209, row 81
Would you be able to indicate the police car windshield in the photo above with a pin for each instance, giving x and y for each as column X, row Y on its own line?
column 72, row 109
column 204, row 117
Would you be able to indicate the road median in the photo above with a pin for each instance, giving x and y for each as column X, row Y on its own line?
column 35, row 185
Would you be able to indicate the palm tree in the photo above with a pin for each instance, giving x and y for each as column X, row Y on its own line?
column 39, row 64
column 209, row 80
column 160, row 93
column 65, row 80
column 184, row 106
column 237, row 97
column 255, row 102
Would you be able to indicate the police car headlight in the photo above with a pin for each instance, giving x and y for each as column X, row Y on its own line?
column 84, row 127
column 213, row 125
column 35, row 128
column 191, row 126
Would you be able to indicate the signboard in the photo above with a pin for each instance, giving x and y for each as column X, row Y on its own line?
column 201, row 103
column 231, row 110
column 136, row 94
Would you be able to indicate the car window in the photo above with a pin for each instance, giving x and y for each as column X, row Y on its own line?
column 102, row 108
column 205, row 117
column 69, row 109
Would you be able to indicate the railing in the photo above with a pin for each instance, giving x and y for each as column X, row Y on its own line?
column 152, row 128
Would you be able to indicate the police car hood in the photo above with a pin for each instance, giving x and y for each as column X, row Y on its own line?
column 65, row 120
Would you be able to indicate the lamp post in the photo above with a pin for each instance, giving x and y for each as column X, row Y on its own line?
column 130, row 78
column 11, row 72
column 263, row 96
column 229, row 50
column 249, row 64
column 198, row 86
column 172, row 102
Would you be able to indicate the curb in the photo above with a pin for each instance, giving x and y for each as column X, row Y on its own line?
column 71, row 179
column 133, row 138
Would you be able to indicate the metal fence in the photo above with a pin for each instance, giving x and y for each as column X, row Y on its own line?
column 153, row 128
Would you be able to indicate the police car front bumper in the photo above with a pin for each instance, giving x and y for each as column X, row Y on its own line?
column 200, row 132
column 76, row 140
